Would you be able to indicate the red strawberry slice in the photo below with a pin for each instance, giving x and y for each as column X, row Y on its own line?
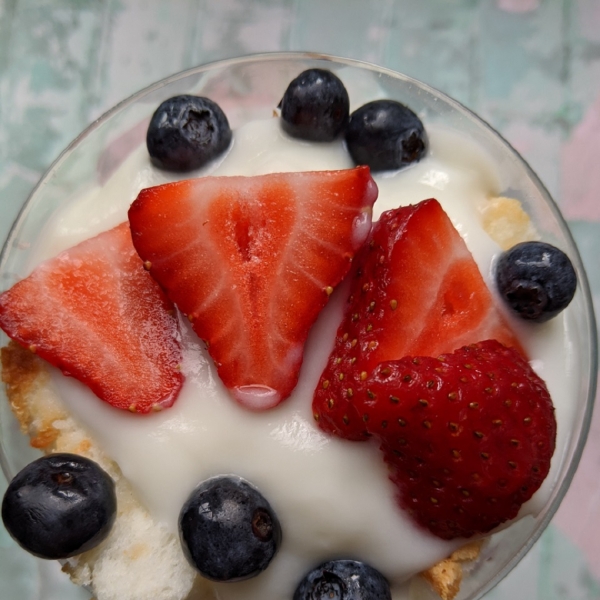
column 416, row 290
column 468, row 436
column 252, row 261
column 95, row 313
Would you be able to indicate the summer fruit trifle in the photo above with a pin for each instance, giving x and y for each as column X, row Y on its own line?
column 246, row 389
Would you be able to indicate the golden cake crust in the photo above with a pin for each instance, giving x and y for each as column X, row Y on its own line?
column 506, row 222
column 446, row 576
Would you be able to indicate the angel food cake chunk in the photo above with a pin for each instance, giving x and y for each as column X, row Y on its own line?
column 294, row 379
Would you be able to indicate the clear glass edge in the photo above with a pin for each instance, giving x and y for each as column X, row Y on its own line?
column 560, row 491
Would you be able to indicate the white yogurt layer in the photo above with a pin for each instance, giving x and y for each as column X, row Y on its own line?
column 333, row 497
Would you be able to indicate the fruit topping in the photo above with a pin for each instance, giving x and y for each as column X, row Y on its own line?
column 468, row 436
column 95, row 313
column 228, row 530
column 186, row 132
column 252, row 261
column 343, row 580
column 537, row 280
column 59, row 506
column 384, row 135
column 415, row 290
column 315, row 106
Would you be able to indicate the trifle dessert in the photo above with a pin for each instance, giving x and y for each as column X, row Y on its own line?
column 301, row 352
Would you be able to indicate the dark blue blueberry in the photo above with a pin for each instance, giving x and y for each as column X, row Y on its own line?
column 59, row 506
column 228, row 530
column 536, row 280
column 315, row 106
column 385, row 135
column 343, row 580
column 186, row 132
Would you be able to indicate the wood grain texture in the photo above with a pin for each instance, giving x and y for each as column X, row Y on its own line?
column 529, row 67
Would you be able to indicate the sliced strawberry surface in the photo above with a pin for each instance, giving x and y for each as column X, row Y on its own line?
column 417, row 291
column 251, row 261
column 429, row 296
column 95, row 313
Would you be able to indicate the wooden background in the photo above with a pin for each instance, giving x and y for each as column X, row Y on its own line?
column 529, row 67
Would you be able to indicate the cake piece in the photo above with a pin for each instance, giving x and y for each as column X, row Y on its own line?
column 140, row 559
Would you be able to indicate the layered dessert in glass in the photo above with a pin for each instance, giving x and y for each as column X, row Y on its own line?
column 335, row 494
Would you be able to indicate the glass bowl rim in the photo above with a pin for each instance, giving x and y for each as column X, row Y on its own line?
column 562, row 488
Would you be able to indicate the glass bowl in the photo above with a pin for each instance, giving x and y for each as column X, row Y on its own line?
column 250, row 88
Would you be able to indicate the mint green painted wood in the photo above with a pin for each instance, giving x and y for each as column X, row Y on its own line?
column 534, row 75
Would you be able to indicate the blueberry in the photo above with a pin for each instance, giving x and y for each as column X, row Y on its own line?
column 228, row 530
column 315, row 106
column 385, row 135
column 186, row 132
column 59, row 506
column 536, row 280
column 343, row 580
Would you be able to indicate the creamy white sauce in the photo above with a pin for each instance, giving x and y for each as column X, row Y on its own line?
column 333, row 497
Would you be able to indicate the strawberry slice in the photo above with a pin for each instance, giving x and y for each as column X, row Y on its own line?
column 416, row 290
column 468, row 436
column 251, row 261
column 95, row 313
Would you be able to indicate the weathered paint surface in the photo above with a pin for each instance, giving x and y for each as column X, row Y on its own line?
column 529, row 67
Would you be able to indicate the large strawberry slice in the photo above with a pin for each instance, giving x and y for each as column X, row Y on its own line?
column 95, row 313
column 251, row 261
column 416, row 290
column 468, row 436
